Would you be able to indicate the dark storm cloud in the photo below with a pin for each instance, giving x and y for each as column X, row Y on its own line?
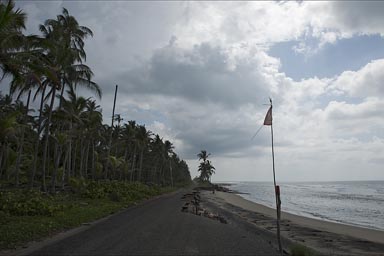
column 221, row 141
column 201, row 74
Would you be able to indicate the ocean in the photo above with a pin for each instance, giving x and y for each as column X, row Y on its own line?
column 357, row 203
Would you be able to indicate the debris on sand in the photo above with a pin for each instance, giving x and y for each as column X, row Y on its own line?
column 192, row 205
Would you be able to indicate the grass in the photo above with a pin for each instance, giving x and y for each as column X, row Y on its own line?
column 28, row 216
column 301, row 250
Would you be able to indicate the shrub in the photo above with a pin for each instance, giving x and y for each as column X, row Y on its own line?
column 301, row 250
column 117, row 191
column 19, row 203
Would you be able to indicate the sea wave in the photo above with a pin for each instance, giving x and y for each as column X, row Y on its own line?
column 359, row 203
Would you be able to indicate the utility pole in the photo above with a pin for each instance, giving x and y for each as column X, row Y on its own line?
column 110, row 137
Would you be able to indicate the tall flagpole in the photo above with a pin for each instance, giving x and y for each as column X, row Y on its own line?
column 277, row 188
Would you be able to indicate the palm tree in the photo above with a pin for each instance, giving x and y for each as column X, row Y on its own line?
column 74, row 112
column 203, row 155
column 128, row 138
column 143, row 137
column 21, row 142
column 72, row 135
column 157, row 150
column 64, row 51
column 206, row 168
column 94, row 123
column 168, row 150
column 8, row 124
column 132, row 125
column 12, row 22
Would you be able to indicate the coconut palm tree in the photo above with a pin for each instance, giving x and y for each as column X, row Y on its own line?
column 12, row 22
column 71, row 136
column 64, row 52
column 93, row 124
column 8, row 124
column 133, row 128
column 203, row 155
column 128, row 138
column 168, row 150
column 143, row 137
column 205, row 168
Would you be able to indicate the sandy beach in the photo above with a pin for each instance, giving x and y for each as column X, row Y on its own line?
column 323, row 236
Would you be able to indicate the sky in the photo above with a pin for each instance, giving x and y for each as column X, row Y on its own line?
column 200, row 74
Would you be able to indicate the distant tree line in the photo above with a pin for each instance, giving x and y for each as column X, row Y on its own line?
column 65, row 137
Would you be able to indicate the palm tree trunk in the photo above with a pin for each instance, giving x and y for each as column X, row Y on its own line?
column 47, row 136
column 141, row 163
column 82, row 149
column 161, row 175
column 20, row 150
column 2, row 152
column 65, row 166
column 74, row 159
column 54, row 172
column 86, row 160
column 126, row 161
column 5, row 159
column 70, row 172
column 61, row 94
column 133, row 163
column 36, row 150
column 93, row 160
column 170, row 170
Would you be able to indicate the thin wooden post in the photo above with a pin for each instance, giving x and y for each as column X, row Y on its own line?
column 277, row 191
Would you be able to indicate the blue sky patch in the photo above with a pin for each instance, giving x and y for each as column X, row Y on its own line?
column 331, row 60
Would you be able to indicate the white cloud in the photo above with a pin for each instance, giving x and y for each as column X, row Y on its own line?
column 368, row 81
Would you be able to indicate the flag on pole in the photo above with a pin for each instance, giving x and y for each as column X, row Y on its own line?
column 268, row 117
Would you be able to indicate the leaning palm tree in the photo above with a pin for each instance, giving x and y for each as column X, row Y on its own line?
column 12, row 22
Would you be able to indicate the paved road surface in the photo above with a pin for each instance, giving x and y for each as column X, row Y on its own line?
column 158, row 227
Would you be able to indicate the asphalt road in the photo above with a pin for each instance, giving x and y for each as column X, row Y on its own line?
column 159, row 227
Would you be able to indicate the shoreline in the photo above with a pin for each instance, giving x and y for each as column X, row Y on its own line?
column 320, row 235
column 373, row 235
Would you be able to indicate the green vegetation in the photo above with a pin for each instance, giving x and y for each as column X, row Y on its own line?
column 60, row 165
column 65, row 137
column 206, row 168
column 28, row 215
column 301, row 250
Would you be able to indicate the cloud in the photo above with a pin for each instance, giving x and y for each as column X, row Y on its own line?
column 203, row 73
column 358, row 17
column 362, row 83
column 199, row 73
column 355, row 119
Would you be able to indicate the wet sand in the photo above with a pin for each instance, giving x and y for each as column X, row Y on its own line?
column 323, row 236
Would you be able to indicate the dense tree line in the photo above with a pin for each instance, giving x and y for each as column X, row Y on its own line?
column 65, row 137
